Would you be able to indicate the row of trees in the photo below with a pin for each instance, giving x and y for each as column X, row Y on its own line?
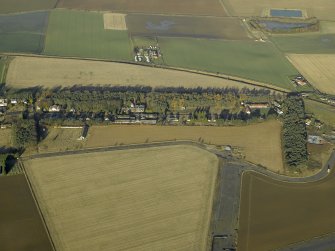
column 294, row 131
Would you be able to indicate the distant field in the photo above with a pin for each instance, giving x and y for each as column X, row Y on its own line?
column 304, row 44
column 82, row 34
column 6, row 138
column 191, row 7
column 11, row 6
column 186, row 26
column 319, row 69
column 31, row 71
column 247, row 59
column 61, row 139
column 21, row 226
column 260, row 142
column 323, row 112
column 323, row 10
column 275, row 214
column 141, row 199
column 23, row 32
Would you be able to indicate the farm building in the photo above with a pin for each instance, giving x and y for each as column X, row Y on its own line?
column 313, row 139
column 54, row 108
column 3, row 102
column 258, row 105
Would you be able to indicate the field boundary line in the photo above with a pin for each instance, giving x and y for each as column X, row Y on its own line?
column 204, row 73
column 37, row 205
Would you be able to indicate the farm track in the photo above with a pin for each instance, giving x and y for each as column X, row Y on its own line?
column 226, row 209
column 203, row 73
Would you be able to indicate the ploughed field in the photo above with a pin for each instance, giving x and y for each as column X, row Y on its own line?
column 318, row 69
column 261, row 143
column 141, row 199
column 275, row 214
column 324, row 10
column 27, row 72
column 191, row 7
column 186, row 26
column 21, row 226
column 11, row 6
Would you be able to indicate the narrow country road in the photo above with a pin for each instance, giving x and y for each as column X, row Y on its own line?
column 227, row 199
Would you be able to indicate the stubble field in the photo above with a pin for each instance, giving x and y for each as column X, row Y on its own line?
column 318, row 69
column 275, row 214
column 187, row 26
column 49, row 72
column 21, row 226
column 141, row 199
column 323, row 10
column 261, row 143
column 191, row 7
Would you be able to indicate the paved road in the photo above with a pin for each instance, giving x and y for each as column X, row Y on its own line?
column 226, row 205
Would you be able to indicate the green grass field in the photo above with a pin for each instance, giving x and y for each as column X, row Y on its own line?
column 246, row 59
column 82, row 34
column 309, row 43
column 11, row 6
column 323, row 112
column 23, row 32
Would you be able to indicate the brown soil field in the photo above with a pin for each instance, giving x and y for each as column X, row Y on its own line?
column 275, row 214
column 324, row 10
column 261, row 143
column 191, row 7
column 26, row 72
column 21, row 226
column 115, row 21
column 140, row 199
column 6, row 138
column 186, row 26
column 318, row 69
column 61, row 139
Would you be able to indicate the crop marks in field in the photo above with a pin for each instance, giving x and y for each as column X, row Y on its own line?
column 186, row 26
column 26, row 72
column 275, row 214
column 191, row 7
column 82, row 34
column 141, row 199
column 318, row 69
